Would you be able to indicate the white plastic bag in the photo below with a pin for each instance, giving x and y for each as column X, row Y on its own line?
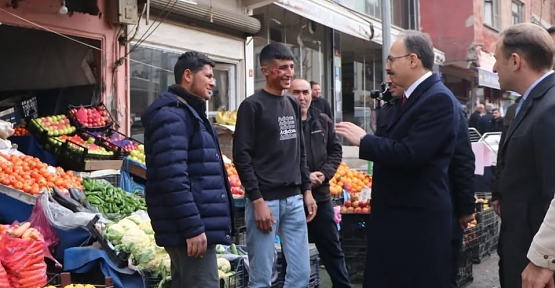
column 63, row 218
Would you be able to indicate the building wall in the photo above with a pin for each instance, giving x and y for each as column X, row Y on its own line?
column 441, row 26
column 45, row 14
column 541, row 9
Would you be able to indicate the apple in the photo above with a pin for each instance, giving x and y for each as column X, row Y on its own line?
column 355, row 204
column 358, row 210
column 350, row 209
column 348, row 203
column 366, row 210
column 363, row 204
column 343, row 209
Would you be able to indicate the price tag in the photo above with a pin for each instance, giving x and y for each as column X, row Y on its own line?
column 365, row 194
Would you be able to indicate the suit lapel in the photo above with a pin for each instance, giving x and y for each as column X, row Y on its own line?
column 536, row 93
column 420, row 89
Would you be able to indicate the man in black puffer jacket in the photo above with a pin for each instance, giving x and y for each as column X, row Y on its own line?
column 323, row 156
column 187, row 192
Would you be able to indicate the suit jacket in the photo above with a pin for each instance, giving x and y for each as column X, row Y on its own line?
column 461, row 171
column 527, row 176
column 411, row 187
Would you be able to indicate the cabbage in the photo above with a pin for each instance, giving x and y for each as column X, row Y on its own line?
column 114, row 233
column 224, row 265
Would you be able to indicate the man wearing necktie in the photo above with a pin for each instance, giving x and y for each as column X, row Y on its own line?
column 410, row 183
column 524, row 60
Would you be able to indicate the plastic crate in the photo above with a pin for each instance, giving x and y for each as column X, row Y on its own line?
column 314, row 270
column 239, row 278
column 487, row 230
column 119, row 258
column 470, row 237
column 53, row 145
column 464, row 275
column 353, row 233
column 496, row 229
column 240, row 236
column 74, row 159
column 240, row 218
column 106, row 140
column 152, row 281
column 110, row 175
column 355, row 263
column 80, row 126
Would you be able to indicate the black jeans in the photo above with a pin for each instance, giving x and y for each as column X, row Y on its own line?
column 322, row 231
column 456, row 245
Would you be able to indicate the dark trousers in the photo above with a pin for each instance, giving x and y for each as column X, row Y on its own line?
column 500, row 253
column 190, row 272
column 322, row 231
column 456, row 245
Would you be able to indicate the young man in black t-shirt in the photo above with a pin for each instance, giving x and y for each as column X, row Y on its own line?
column 269, row 154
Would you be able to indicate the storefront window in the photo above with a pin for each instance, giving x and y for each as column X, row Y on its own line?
column 308, row 44
column 403, row 12
column 152, row 73
column 362, row 72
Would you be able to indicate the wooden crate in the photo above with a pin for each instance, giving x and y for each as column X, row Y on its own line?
column 225, row 137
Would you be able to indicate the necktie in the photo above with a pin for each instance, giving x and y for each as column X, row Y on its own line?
column 519, row 106
column 404, row 99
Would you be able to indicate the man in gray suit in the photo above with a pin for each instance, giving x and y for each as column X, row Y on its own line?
column 524, row 55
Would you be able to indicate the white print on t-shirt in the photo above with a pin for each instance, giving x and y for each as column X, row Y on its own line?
column 287, row 128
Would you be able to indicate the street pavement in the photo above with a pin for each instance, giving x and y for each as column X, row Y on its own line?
column 485, row 275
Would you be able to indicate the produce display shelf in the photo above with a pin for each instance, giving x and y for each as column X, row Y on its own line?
column 19, row 195
column 134, row 168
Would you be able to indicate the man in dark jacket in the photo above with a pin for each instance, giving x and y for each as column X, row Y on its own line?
column 323, row 156
column 318, row 101
column 187, row 190
column 475, row 117
column 461, row 178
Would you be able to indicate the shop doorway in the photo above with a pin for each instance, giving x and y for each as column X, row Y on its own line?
column 50, row 69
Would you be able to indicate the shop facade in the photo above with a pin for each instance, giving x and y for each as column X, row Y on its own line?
column 338, row 46
column 220, row 31
column 70, row 51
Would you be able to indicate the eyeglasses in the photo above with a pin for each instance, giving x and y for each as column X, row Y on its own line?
column 391, row 58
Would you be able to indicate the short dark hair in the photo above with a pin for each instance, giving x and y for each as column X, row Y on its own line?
column 420, row 44
column 275, row 51
column 312, row 83
column 533, row 44
column 494, row 109
column 193, row 61
column 551, row 30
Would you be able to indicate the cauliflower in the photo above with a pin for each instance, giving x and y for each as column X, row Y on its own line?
column 128, row 224
column 143, row 256
column 114, row 233
column 146, row 227
column 134, row 240
column 224, row 265
column 135, row 218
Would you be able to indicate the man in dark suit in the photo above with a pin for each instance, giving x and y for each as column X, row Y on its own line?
column 475, row 117
column 461, row 177
column 526, row 183
column 410, row 183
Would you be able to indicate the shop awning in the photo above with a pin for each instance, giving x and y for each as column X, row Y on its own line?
column 331, row 15
column 487, row 78
column 238, row 22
